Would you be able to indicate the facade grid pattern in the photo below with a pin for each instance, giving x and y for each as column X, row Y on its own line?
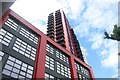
column 49, row 63
column 63, row 70
column 52, row 64
column 14, row 66
column 57, row 53
column 12, row 24
column 24, row 48
column 17, row 69
column 49, row 77
column 29, row 35
column 5, row 37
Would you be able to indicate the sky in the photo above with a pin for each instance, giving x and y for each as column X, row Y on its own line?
column 89, row 19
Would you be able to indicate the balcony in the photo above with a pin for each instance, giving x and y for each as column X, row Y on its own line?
column 77, row 48
column 58, row 18
column 60, row 36
column 50, row 28
column 49, row 32
column 50, row 25
column 74, row 37
column 76, row 44
column 57, row 13
column 78, row 51
column 58, row 23
column 59, row 29
column 62, row 44
column 59, row 32
column 52, row 34
column 51, row 38
column 50, row 21
column 76, row 41
column 57, row 26
column 60, row 40
column 50, row 14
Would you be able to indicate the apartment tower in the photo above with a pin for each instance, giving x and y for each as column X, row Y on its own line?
column 28, row 54
column 60, row 31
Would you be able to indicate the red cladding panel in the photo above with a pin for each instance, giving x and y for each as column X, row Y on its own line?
column 65, row 31
column 40, row 59
column 73, row 69
column 91, row 74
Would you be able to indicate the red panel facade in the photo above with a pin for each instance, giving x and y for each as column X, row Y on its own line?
column 39, row 66
column 65, row 32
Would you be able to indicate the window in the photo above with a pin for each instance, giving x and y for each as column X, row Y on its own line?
column 47, row 48
column 1, row 55
column 17, row 69
column 24, row 48
column 78, row 67
column 49, row 63
column 58, row 54
column 10, row 23
column 29, row 35
column 63, row 70
column 86, row 72
column 50, row 49
column 81, row 69
column 5, row 37
column 83, row 78
column 62, row 57
column 49, row 77
column 79, row 77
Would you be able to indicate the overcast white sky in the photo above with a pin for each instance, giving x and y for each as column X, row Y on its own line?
column 89, row 19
